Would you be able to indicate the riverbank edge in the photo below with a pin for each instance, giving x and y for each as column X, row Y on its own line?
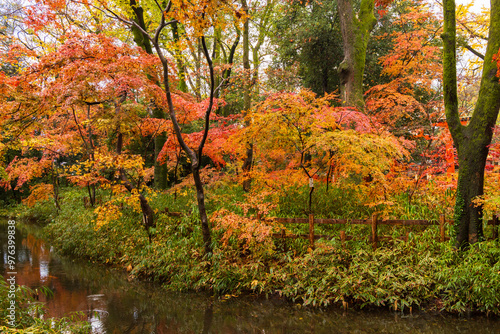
column 307, row 277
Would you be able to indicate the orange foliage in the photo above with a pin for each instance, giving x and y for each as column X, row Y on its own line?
column 69, row 103
column 300, row 136
column 38, row 193
column 250, row 233
column 414, row 65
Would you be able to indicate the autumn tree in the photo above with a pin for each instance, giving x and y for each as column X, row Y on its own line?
column 70, row 104
column 251, row 80
column 472, row 140
column 301, row 139
column 408, row 103
column 199, row 16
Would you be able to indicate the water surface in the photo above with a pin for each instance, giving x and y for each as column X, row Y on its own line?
column 113, row 304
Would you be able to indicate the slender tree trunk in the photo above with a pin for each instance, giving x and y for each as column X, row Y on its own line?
column 216, row 57
column 160, row 169
column 263, row 32
column 355, row 28
column 197, row 66
column 246, row 59
column 255, row 74
column 200, row 196
column 247, row 166
column 471, row 141
column 55, row 186
column 181, row 69
column 91, row 190
column 226, row 75
column 247, row 163
column 194, row 156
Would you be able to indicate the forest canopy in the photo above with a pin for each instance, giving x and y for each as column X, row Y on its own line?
column 131, row 100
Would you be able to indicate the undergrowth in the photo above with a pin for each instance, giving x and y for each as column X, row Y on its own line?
column 401, row 275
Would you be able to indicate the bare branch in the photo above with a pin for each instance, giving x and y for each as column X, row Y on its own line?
column 211, row 101
column 476, row 53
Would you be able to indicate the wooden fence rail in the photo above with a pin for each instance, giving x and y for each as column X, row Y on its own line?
column 374, row 221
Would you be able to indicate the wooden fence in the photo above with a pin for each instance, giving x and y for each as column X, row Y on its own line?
column 374, row 221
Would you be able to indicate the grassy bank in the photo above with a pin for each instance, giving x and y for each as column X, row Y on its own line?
column 403, row 275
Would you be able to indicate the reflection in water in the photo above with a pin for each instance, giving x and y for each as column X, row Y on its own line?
column 114, row 305
column 97, row 312
column 44, row 271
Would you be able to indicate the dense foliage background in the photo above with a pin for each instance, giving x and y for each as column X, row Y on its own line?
column 151, row 137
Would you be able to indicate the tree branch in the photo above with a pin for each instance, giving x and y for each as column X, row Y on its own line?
column 211, row 101
column 476, row 53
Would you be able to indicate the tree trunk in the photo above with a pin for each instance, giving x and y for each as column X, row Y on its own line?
column 247, row 166
column 472, row 141
column 91, row 190
column 160, row 169
column 181, row 69
column 256, row 67
column 216, row 57
column 468, row 217
column 55, row 186
column 246, row 58
column 263, row 28
column 200, row 196
column 197, row 66
column 226, row 74
column 142, row 40
column 355, row 30
column 247, row 163
column 194, row 156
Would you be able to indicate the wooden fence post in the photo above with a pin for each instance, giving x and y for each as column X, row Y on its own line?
column 259, row 215
column 442, row 221
column 495, row 228
column 374, row 231
column 342, row 238
column 311, row 230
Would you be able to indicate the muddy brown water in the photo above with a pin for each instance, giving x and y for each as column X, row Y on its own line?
column 113, row 304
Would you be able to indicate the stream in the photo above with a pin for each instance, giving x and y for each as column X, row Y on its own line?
column 113, row 304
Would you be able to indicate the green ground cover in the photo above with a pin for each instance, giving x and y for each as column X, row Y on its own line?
column 421, row 273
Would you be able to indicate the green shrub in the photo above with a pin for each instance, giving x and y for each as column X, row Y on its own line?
column 400, row 275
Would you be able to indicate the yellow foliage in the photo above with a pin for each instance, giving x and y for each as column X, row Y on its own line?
column 491, row 198
column 106, row 213
column 300, row 136
column 196, row 16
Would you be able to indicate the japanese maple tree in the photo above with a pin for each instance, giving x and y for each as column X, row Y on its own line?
column 300, row 138
column 71, row 102
column 197, row 17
